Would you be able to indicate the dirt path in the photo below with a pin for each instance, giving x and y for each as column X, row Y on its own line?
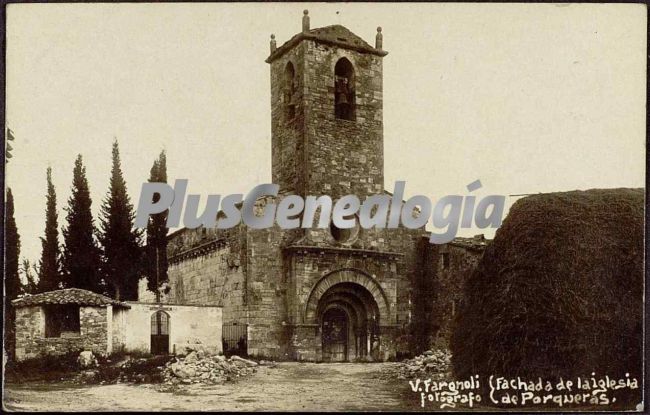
column 289, row 386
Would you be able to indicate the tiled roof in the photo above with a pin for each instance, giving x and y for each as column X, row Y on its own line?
column 341, row 34
column 335, row 35
column 67, row 296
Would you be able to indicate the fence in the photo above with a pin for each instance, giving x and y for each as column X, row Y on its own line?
column 235, row 339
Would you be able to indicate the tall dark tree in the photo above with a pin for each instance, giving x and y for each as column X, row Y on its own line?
column 81, row 255
column 119, row 239
column 12, row 279
column 30, row 286
column 156, row 249
column 49, row 276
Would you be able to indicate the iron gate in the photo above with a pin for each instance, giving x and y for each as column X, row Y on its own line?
column 235, row 339
column 159, row 333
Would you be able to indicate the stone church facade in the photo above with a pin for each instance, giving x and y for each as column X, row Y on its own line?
column 315, row 294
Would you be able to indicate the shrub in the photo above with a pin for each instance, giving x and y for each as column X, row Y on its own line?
column 43, row 368
column 559, row 292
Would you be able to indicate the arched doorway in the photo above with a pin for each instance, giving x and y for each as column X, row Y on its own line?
column 348, row 316
column 366, row 306
column 159, row 333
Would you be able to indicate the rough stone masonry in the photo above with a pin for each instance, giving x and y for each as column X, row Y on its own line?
column 319, row 294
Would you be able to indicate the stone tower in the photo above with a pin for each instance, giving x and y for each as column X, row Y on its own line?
column 326, row 112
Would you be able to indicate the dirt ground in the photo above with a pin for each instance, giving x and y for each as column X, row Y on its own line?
column 288, row 386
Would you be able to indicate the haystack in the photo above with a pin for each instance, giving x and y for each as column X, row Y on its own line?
column 559, row 292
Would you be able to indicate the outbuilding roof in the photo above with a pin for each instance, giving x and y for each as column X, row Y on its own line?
column 67, row 296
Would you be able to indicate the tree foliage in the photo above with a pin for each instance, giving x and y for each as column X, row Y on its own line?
column 156, row 249
column 50, row 264
column 12, row 250
column 30, row 286
column 81, row 255
column 121, row 262
column 12, row 279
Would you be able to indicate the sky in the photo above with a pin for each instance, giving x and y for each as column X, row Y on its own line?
column 525, row 97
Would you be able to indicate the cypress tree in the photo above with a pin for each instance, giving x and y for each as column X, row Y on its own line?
column 12, row 279
column 30, row 286
column 156, row 249
column 12, row 250
column 50, row 267
column 81, row 255
column 119, row 239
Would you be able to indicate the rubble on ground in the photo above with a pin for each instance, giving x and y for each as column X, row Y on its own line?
column 433, row 363
column 87, row 359
column 201, row 367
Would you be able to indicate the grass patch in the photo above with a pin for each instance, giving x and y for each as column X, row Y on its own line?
column 43, row 368
column 136, row 370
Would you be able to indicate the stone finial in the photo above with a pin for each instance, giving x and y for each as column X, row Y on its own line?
column 379, row 39
column 305, row 20
column 274, row 45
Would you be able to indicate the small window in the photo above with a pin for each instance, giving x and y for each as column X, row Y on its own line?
column 445, row 260
column 344, row 96
column 61, row 319
column 290, row 92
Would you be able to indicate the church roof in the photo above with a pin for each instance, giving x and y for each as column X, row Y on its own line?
column 477, row 243
column 333, row 35
column 67, row 296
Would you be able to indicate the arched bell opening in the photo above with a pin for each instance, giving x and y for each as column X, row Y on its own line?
column 344, row 99
column 348, row 317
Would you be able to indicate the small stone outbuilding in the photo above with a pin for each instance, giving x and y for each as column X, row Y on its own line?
column 62, row 321
column 72, row 319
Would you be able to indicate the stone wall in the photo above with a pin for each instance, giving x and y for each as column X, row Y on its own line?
column 93, row 335
column 266, row 297
column 440, row 284
column 306, row 343
column 207, row 267
column 288, row 134
column 239, row 269
column 451, row 276
column 118, row 331
column 425, row 290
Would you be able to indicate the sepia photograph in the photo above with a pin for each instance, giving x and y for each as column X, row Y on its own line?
column 299, row 207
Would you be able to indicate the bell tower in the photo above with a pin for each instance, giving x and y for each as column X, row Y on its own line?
column 327, row 112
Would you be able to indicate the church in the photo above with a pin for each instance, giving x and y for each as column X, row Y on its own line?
column 322, row 294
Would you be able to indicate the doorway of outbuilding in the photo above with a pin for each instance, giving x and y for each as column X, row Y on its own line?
column 159, row 333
